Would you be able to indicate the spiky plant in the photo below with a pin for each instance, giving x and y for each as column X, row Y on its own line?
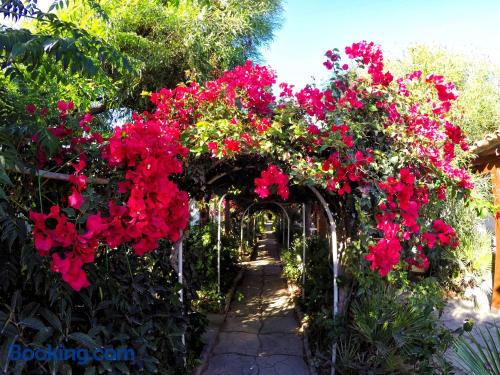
column 480, row 357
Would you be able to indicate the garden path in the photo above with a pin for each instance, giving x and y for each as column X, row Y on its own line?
column 456, row 312
column 260, row 334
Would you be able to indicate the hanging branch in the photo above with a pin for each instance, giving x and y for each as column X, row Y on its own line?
column 57, row 176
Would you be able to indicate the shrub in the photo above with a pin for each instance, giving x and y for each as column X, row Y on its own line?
column 480, row 357
column 132, row 303
column 201, row 265
column 392, row 331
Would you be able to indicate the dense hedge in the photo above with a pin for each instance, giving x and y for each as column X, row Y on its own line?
column 201, row 266
column 388, row 325
column 132, row 304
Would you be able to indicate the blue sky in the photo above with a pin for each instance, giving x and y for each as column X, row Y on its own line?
column 312, row 27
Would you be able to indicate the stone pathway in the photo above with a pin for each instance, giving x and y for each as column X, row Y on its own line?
column 260, row 334
column 456, row 312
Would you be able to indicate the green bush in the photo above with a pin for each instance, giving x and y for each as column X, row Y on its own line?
column 133, row 303
column 390, row 325
column 201, row 266
column 292, row 262
column 393, row 331
column 480, row 357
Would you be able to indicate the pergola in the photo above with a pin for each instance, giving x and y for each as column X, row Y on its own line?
column 220, row 176
column 487, row 160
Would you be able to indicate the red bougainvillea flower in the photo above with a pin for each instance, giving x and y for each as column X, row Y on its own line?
column 70, row 267
column 52, row 230
column 273, row 176
column 30, row 108
column 444, row 233
column 384, row 255
column 286, row 90
column 232, row 145
column 64, row 106
column 420, row 260
column 213, row 147
column 86, row 119
column 370, row 55
column 75, row 200
column 446, row 90
column 346, row 171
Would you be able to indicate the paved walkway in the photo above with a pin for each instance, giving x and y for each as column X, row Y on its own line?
column 454, row 315
column 260, row 334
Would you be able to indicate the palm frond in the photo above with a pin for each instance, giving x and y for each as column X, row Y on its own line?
column 480, row 357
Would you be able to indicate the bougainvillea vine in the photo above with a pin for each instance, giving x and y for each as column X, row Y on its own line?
column 366, row 135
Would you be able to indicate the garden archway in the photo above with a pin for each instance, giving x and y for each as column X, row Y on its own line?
column 383, row 158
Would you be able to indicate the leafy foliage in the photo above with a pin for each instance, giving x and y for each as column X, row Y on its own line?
column 133, row 304
column 393, row 334
column 201, row 266
column 59, row 41
column 477, row 80
column 176, row 41
column 480, row 357
column 390, row 326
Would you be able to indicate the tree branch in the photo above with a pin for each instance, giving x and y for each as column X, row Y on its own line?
column 58, row 176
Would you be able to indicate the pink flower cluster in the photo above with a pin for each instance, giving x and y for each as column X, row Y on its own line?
column 316, row 102
column 370, row 55
column 272, row 177
column 148, row 151
column 345, row 171
column 148, row 206
column 399, row 223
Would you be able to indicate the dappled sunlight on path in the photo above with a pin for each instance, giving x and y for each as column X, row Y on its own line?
column 260, row 334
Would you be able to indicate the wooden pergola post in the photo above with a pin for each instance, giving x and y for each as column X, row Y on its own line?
column 487, row 160
column 495, row 298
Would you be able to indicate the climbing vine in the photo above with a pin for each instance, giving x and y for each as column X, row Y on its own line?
column 364, row 135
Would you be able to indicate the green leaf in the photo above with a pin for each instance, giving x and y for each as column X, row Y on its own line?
column 51, row 318
column 70, row 212
column 43, row 335
column 4, row 178
column 32, row 323
column 83, row 339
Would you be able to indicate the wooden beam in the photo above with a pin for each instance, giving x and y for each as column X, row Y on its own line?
column 486, row 164
column 57, row 176
column 495, row 299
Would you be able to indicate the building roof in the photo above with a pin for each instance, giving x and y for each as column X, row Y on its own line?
column 487, row 152
column 488, row 145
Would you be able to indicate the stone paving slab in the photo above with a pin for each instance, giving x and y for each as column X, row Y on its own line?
column 231, row 364
column 277, row 324
column 272, row 270
column 237, row 343
column 242, row 324
column 250, row 291
column 281, row 343
column 260, row 334
column 281, row 365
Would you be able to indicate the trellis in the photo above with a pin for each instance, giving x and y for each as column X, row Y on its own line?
column 332, row 235
column 178, row 246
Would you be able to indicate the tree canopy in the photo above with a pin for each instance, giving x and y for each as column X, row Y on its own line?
column 177, row 41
